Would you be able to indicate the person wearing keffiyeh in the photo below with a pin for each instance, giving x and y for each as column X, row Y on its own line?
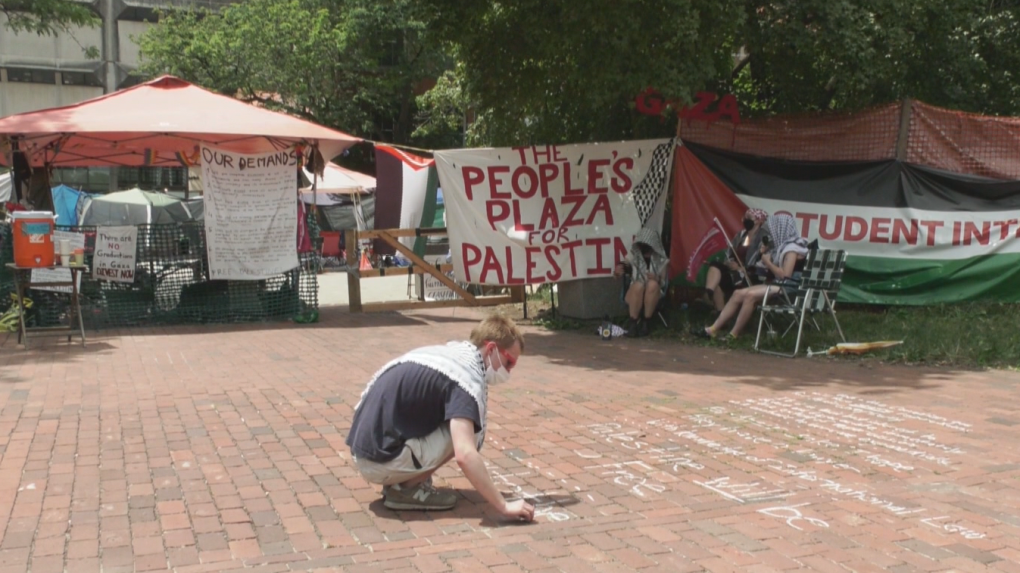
column 782, row 256
column 649, row 278
column 724, row 277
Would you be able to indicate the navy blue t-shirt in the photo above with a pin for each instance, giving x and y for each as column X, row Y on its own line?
column 407, row 401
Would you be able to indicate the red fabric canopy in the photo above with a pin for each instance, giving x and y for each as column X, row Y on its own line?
column 159, row 123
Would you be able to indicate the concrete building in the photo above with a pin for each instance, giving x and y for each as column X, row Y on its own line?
column 39, row 72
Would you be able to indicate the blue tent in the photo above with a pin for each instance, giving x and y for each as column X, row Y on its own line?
column 65, row 204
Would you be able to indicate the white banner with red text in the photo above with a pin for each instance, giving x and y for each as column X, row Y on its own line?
column 901, row 233
column 537, row 214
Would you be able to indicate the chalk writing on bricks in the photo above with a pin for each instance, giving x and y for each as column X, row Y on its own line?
column 803, row 458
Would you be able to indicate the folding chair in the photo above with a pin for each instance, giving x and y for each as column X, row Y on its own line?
column 658, row 307
column 816, row 293
column 332, row 249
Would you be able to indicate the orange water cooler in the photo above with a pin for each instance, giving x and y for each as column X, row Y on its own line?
column 33, row 238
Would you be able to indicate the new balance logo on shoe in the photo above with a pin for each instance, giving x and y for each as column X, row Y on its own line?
column 422, row 498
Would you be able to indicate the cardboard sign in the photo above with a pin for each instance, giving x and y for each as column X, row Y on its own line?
column 115, row 254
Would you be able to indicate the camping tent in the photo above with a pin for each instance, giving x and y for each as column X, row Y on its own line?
column 135, row 207
column 68, row 204
column 344, row 215
column 159, row 123
column 346, row 198
column 335, row 180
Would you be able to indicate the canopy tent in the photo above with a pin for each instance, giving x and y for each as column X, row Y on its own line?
column 196, row 207
column 335, row 180
column 161, row 122
column 68, row 204
column 348, row 214
column 135, row 207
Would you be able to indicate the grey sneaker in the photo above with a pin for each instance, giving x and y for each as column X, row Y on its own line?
column 422, row 497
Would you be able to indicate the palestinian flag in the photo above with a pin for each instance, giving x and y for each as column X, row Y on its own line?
column 915, row 235
column 405, row 195
column 699, row 199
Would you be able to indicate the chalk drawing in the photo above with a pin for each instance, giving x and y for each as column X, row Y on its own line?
column 791, row 514
column 939, row 523
column 743, row 492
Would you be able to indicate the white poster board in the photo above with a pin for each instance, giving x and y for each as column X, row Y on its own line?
column 250, row 213
column 115, row 254
column 59, row 275
column 434, row 289
column 553, row 213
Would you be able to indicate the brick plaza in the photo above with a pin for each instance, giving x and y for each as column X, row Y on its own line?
column 220, row 448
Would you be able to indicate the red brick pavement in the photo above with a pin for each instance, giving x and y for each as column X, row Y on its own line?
column 221, row 449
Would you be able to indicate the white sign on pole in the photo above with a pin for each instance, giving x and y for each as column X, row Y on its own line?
column 552, row 213
column 434, row 289
column 115, row 254
column 250, row 213
column 59, row 275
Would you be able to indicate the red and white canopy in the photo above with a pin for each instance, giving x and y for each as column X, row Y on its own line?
column 159, row 123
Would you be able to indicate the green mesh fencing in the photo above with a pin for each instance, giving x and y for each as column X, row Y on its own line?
column 171, row 286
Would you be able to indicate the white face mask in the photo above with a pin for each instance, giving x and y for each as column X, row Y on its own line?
column 496, row 375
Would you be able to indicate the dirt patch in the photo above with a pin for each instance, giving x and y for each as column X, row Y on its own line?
column 538, row 310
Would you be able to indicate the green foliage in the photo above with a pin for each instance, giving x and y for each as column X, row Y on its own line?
column 961, row 335
column 552, row 71
column 47, row 17
column 349, row 64
column 555, row 71
column 443, row 115
column 840, row 54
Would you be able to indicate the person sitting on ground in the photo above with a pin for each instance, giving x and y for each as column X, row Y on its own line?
column 427, row 407
column 783, row 253
column 648, row 266
column 724, row 277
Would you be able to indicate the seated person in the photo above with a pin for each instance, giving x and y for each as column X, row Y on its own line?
column 648, row 266
column 783, row 253
column 724, row 277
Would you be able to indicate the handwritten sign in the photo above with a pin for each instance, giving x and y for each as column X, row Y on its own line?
column 59, row 275
column 434, row 289
column 114, row 258
column 250, row 213
column 531, row 215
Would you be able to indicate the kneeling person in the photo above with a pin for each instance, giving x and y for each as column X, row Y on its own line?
column 427, row 407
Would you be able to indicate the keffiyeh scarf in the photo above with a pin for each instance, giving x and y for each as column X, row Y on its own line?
column 460, row 361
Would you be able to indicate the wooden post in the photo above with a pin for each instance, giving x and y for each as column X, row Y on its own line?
column 353, row 274
column 518, row 293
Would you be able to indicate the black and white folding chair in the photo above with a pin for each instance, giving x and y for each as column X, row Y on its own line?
column 816, row 293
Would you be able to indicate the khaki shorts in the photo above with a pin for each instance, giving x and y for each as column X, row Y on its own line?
column 430, row 452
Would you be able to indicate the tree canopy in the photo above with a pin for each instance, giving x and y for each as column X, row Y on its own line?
column 349, row 64
column 552, row 71
column 46, row 17
column 807, row 55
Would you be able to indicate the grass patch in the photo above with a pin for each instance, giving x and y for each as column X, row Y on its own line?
column 966, row 335
column 969, row 335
